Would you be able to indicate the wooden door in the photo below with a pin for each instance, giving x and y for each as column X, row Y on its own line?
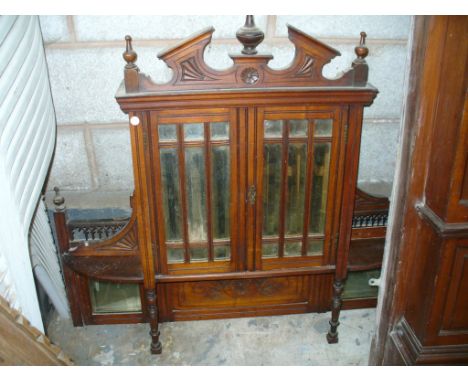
column 423, row 310
column 195, row 173
column 297, row 170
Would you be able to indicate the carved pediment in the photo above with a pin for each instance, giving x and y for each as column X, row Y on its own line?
column 249, row 70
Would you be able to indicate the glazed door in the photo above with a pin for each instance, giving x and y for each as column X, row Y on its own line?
column 296, row 183
column 194, row 156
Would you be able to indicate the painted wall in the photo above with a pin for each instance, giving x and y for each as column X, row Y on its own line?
column 84, row 55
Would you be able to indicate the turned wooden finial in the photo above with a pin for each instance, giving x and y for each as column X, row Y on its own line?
column 129, row 55
column 60, row 219
column 59, row 200
column 362, row 51
column 361, row 69
column 250, row 36
column 131, row 71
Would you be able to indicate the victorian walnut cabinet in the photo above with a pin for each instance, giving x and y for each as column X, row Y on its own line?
column 245, row 183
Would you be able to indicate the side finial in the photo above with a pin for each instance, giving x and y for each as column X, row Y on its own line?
column 250, row 36
column 59, row 200
column 131, row 71
column 362, row 51
column 361, row 70
column 129, row 55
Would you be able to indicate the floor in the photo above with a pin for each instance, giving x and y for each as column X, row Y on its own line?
column 278, row 340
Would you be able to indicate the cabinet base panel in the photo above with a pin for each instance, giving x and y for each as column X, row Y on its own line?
column 222, row 299
column 198, row 300
column 359, row 303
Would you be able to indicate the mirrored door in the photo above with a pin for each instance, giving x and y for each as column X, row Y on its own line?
column 194, row 157
column 295, row 184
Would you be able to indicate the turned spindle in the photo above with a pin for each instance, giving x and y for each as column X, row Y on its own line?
column 332, row 335
column 152, row 308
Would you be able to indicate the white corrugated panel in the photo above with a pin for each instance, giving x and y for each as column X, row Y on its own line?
column 27, row 138
column 45, row 262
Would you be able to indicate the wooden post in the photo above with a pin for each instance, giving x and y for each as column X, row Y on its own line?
column 60, row 219
column 63, row 242
column 156, row 347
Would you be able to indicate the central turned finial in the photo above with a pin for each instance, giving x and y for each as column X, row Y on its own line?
column 250, row 36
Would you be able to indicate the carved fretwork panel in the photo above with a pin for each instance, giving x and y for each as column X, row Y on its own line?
column 369, row 210
column 94, row 230
column 190, row 71
column 125, row 242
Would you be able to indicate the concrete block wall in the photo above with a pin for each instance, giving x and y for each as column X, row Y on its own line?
column 84, row 55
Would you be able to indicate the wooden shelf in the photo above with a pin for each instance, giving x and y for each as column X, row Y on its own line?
column 110, row 268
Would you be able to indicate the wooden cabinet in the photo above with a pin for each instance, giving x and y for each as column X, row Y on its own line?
column 244, row 185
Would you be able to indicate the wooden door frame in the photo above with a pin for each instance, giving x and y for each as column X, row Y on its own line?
column 426, row 77
column 178, row 117
column 336, row 141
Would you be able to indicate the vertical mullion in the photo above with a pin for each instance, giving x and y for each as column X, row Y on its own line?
column 180, row 145
column 236, row 208
column 284, row 187
column 251, row 172
column 207, row 147
column 158, row 191
column 309, row 180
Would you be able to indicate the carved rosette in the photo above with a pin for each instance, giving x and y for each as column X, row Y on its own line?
column 250, row 76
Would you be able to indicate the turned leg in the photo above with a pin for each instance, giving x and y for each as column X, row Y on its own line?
column 156, row 347
column 332, row 335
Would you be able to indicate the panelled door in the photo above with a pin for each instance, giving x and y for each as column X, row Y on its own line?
column 296, row 174
column 210, row 218
column 195, row 172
